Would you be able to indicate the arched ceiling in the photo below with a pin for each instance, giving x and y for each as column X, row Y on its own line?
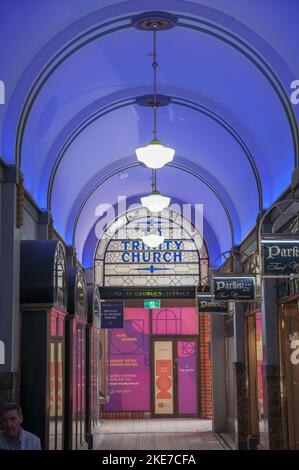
column 73, row 73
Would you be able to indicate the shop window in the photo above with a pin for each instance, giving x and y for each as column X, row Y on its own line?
column 175, row 321
column 60, row 277
column 129, row 363
column 56, row 381
column 259, row 365
column 80, row 295
column 103, row 366
column 289, row 353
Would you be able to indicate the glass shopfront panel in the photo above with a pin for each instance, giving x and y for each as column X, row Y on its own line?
column 56, row 381
column 289, row 330
column 129, row 363
column 164, row 403
column 259, row 365
column 78, row 421
column 175, row 321
column 94, row 380
column 187, row 380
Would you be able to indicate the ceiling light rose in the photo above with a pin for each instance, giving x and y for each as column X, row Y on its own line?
column 153, row 239
column 155, row 202
column 155, row 154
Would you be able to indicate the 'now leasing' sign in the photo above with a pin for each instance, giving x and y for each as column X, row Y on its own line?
column 280, row 257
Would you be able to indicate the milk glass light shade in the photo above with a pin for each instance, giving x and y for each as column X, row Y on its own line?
column 155, row 202
column 155, row 155
column 153, row 239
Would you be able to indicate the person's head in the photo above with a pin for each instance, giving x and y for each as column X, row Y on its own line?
column 11, row 419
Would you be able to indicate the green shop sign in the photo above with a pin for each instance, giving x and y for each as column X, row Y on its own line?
column 152, row 304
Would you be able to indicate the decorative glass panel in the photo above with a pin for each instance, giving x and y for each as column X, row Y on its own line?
column 122, row 259
column 60, row 277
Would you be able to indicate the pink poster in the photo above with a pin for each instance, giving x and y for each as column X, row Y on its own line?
column 187, row 386
column 129, row 363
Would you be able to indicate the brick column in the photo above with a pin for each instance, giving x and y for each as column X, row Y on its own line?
column 205, row 376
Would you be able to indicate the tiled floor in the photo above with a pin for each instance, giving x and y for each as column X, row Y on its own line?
column 159, row 434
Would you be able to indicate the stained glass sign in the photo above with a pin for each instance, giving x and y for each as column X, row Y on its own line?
column 122, row 259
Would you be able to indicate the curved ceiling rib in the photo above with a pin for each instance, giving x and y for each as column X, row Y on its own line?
column 205, row 27
column 264, row 68
column 172, row 165
column 176, row 100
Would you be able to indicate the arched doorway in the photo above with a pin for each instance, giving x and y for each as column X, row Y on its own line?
column 160, row 361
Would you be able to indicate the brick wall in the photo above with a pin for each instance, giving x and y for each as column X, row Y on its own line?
column 124, row 414
column 205, row 366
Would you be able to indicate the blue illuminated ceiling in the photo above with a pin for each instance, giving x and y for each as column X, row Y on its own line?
column 73, row 71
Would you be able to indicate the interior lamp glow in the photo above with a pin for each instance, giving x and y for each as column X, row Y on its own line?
column 153, row 239
column 155, row 155
column 155, row 202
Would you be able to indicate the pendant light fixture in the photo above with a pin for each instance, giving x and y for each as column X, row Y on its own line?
column 155, row 154
column 155, row 202
column 153, row 239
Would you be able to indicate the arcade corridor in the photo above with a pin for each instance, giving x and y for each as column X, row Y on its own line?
column 149, row 225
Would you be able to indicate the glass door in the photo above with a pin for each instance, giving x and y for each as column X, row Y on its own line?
column 289, row 327
column 163, row 378
column 187, row 377
column 175, row 377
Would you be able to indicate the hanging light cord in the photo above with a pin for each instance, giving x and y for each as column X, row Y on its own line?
column 155, row 106
column 155, row 65
column 154, row 180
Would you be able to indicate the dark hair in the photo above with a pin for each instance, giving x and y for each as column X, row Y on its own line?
column 10, row 406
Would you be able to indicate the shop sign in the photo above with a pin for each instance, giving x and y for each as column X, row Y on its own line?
column 129, row 293
column 152, row 304
column 233, row 288
column 206, row 304
column 112, row 314
column 280, row 257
